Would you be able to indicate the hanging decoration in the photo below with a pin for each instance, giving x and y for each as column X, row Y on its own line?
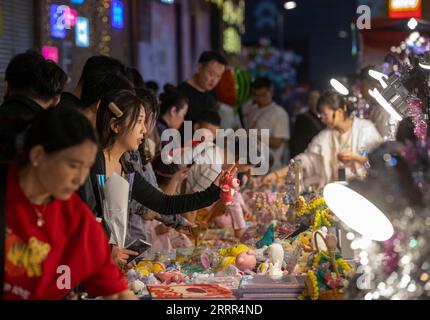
column 234, row 88
column 104, row 44
column 233, row 18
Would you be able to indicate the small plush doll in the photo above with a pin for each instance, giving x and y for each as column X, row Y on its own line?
column 227, row 195
column 246, row 261
column 229, row 187
column 170, row 277
column 228, row 256
column 268, row 238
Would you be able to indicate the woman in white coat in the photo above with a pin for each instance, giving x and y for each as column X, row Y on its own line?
column 338, row 150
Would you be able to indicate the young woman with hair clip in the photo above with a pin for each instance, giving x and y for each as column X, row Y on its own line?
column 121, row 128
column 140, row 161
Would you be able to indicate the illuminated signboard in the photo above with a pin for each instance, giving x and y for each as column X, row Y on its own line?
column 71, row 16
column 82, row 32
column 50, row 53
column 62, row 18
column 117, row 14
column 398, row 9
column 58, row 21
column 77, row 1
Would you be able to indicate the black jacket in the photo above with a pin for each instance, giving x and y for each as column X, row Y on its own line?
column 70, row 100
column 307, row 126
column 16, row 113
column 152, row 198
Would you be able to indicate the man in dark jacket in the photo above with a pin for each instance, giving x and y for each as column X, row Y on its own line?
column 33, row 84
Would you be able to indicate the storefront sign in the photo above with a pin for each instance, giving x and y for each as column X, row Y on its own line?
column 50, row 53
column 58, row 20
column 62, row 18
column 82, row 32
column 398, row 9
column 117, row 14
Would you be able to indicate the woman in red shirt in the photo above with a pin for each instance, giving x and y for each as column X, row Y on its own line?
column 53, row 241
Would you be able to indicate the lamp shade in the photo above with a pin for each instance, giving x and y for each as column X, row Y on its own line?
column 339, row 87
column 357, row 212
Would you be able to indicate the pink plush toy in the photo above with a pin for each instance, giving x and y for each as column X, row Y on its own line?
column 246, row 260
column 229, row 187
column 170, row 277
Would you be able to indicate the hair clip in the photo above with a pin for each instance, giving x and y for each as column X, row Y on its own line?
column 115, row 109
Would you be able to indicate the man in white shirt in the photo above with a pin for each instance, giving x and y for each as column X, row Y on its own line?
column 263, row 113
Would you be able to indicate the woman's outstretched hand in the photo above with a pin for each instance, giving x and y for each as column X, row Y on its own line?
column 230, row 170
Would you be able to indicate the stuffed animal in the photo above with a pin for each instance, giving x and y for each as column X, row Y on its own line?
column 227, row 195
column 170, row 277
column 138, row 287
column 229, row 255
column 204, row 218
column 268, row 238
column 233, row 251
column 229, row 187
column 146, row 267
column 246, row 260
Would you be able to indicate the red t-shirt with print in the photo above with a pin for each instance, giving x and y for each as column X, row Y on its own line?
column 69, row 248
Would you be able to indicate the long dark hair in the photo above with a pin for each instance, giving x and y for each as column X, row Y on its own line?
column 56, row 129
column 149, row 99
column 126, row 117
